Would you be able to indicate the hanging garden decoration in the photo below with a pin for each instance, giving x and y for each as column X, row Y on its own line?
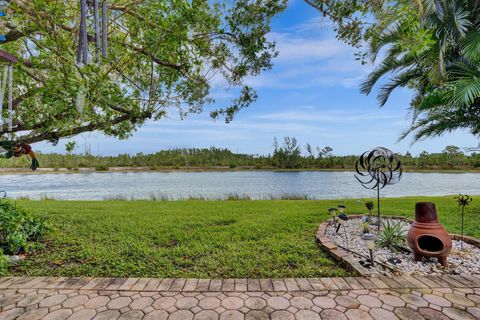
column 377, row 168
column 11, row 148
column 2, row 14
column 99, row 28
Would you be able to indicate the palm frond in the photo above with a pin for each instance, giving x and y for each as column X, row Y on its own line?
column 400, row 80
column 470, row 46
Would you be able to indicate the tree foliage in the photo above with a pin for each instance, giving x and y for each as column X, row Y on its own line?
column 430, row 46
column 162, row 58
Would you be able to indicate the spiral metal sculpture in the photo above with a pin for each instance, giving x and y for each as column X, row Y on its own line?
column 376, row 169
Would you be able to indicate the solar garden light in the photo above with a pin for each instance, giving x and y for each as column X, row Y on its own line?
column 342, row 218
column 341, row 208
column 333, row 213
column 370, row 239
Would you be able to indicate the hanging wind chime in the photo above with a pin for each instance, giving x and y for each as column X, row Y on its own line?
column 100, row 36
column 99, row 27
column 11, row 148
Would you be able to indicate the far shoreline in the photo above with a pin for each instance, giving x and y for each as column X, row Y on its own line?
column 21, row 171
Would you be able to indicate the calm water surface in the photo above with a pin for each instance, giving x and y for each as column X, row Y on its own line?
column 214, row 185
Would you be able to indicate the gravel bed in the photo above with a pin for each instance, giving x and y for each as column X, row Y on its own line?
column 459, row 261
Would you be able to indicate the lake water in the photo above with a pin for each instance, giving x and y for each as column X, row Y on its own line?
column 214, row 185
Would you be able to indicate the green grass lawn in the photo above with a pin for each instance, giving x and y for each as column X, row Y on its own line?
column 201, row 239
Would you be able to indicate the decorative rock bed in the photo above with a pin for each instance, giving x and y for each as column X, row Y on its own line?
column 347, row 247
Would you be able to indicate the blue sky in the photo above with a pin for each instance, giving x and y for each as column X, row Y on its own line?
column 311, row 93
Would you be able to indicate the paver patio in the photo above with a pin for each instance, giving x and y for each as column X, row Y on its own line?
column 418, row 297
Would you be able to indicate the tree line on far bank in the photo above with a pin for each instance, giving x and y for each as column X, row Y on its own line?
column 287, row 154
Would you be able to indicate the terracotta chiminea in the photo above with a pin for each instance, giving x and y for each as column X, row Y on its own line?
column 427, row 237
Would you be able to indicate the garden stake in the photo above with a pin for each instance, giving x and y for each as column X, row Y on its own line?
column 463, row 201
column 376, row 169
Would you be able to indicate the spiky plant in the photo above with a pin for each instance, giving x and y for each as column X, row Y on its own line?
column 392, row 236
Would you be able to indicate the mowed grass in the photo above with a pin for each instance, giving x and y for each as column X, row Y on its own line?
column 201, row 239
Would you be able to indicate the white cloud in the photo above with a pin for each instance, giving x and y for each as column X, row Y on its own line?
column 316, row 24
column 328, row 116
column 294, row 48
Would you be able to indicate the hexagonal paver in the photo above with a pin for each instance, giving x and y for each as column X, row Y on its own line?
column 132, row 315
column 34, row 314
column 408, row 314
column 332, row 315
column 11, row 314
column 307, row 315
column 141, row 303
column 11, row 299
column 460, row 300
column 430, row 314
column 347, row 302
column 206, row 315
column 186, row 303
column 119, row 303
column 181, row 315
column 278, row 303
column 301, row 303
column 85, row 314
column 282, row 315
column 414, row 300
column 209, row 303
column 255, row 303
column 232, row 315
column 59, row 314
column 75, row 301
column 391, row 300
column 437, row 300
column 474, row 311
column 107, row 315
column 164, row 303
column 157, row 315
column 456, row 314
column 369, row 301
column 51, row 301
column 357, row 314
column 30, row 300
column 324, row 302
column 232, row 303
column 382, row 314
column 97, row 302
column 256, row 315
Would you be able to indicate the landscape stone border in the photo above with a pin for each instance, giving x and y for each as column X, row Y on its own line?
column 352, row 264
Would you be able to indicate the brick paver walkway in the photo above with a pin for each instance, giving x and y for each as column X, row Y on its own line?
column 427, row 297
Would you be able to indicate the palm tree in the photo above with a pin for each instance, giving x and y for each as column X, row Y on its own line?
column 444, row 69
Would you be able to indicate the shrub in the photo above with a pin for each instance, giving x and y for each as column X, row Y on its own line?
column 18, row 229
column 101, row 168
column 3, row 264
